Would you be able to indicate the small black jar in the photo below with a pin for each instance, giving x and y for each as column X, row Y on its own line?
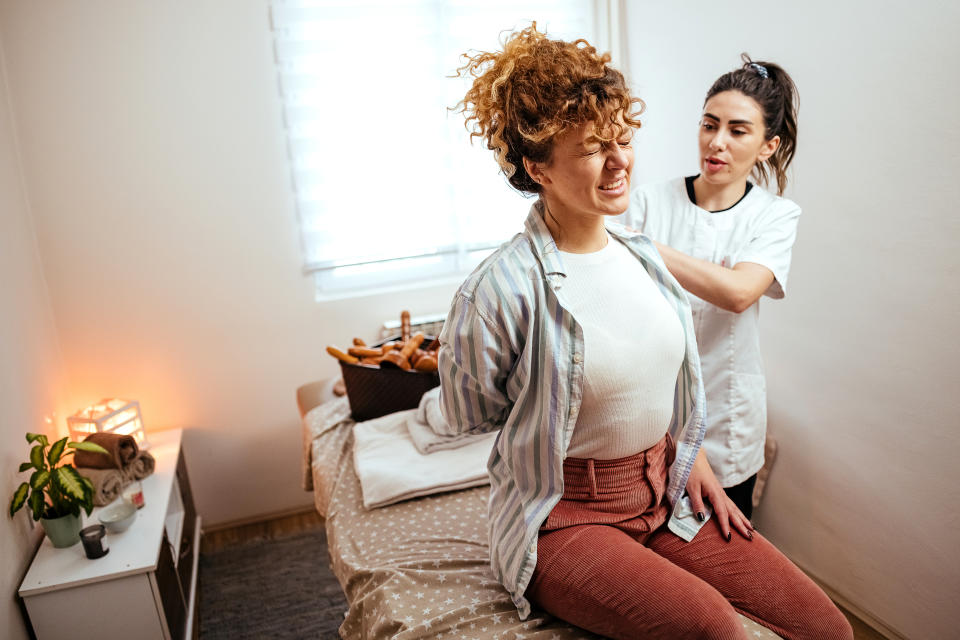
column 94, row 543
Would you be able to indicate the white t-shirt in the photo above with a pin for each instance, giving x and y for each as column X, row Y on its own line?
column 761, row 229
column 633, row 346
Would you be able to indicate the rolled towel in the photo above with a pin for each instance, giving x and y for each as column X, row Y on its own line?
column 423, row 422
column 107, row 483
column 122, row 450
column 140, row 467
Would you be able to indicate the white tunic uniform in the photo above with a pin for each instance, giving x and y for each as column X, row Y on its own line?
column 761, row 229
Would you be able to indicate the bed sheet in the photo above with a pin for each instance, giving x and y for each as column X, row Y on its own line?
column 420, row 568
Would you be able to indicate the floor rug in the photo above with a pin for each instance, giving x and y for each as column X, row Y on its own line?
column 273, row 588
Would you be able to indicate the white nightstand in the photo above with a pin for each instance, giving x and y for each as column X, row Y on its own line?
column 145, row 587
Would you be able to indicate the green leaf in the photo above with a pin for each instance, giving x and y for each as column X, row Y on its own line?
column 53, row 456
column 19, row 497
column 39, row 479
column 70, row 483
column 25, row 465
column 36, row 504
column 38, row 437
column 36, row 457
column 88, row 446
column 88, row 484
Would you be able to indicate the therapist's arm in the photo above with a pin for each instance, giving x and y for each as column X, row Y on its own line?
column 733, row 289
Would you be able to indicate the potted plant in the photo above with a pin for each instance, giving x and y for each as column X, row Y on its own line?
column 56, row 491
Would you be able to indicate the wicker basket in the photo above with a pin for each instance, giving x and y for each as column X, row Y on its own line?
column 375, row 392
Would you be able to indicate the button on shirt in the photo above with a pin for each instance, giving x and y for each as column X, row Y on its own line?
column 511, row 359
column 761, row 229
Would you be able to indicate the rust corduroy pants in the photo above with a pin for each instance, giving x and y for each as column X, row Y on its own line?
column 607, row 563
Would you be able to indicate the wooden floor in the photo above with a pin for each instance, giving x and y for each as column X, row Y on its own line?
column 286, row 525
column 218, row 539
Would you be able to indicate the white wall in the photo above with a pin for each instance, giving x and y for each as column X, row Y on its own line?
column 31, row 372
column 862, row 355
column 154, row 156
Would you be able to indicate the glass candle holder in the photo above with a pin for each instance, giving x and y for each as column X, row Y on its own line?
column 133, row 494
column 94, row 541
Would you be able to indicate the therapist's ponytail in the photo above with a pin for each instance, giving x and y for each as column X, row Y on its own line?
column 773, row 89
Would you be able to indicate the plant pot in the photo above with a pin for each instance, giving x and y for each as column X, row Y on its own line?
column 63, row 531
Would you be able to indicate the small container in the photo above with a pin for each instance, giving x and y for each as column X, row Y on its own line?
column 133, row 494
column 94, row 541
column 118, row 517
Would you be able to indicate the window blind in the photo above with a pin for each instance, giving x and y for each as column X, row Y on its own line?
column 389, row 190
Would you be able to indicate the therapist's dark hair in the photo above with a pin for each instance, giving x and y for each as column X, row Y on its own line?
column 774, row 91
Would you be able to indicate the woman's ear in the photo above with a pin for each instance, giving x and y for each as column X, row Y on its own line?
column 536, row 171
column 768, row 148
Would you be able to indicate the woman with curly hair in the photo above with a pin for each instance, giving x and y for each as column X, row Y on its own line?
column 728, row 243
column 576, row 344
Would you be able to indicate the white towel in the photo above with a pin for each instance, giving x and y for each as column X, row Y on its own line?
column 423, row 425
column 391, row 469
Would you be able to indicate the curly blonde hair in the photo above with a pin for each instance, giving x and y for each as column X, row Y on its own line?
column 534, row 90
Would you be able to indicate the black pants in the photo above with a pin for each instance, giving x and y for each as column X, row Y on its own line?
column 742, row 495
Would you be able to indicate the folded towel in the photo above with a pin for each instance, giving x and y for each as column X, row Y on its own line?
column 140, row 467
column 391, row 469
column 122, row 449
column 107, row 483
column 423, row 425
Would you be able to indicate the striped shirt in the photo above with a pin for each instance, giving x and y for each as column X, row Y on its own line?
column 511, row 359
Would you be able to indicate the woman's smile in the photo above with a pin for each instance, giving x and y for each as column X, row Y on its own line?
column 615, row 188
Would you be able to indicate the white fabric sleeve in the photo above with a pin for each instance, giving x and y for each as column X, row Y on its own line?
column 772, row 246
column 636, row 215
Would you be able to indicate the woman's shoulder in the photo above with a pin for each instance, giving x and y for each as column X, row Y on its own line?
column 502, row 289
column 761, row 201
column 652, row 201
column 665, row 189
column 507, row 266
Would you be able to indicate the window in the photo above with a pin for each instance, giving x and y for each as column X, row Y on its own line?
column 390, row 192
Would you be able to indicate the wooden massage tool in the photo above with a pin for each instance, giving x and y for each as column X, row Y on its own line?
column 407, row 353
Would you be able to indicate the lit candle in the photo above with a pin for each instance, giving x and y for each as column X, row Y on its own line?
column 94, row 543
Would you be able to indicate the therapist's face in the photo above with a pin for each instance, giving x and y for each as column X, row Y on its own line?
column 732, row 138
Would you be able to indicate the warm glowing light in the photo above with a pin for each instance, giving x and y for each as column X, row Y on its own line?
column 109, row 416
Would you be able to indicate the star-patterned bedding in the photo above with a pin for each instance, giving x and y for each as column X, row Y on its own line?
column 416, row 569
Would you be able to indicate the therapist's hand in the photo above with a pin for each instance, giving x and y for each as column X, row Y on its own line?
column 701, row 485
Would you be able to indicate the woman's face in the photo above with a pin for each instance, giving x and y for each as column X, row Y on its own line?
column 732, row 138
column 586, row 177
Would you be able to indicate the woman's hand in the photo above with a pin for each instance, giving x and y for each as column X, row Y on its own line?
column 703, row 484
